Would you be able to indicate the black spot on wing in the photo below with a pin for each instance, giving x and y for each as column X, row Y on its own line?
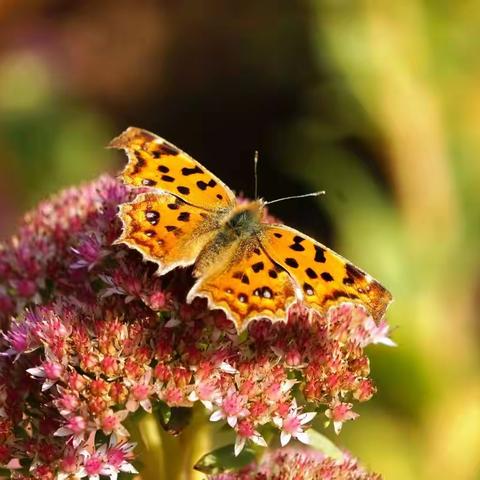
column 326, row 276
column 266, row 292
column 354, row 272
column 167, row 178
column 308, row 289
column 311, row 273
column 173, row 206
column 140, row 163
column 245, row 279
column 278, row 235
column 319, row 254
column 256, row 267
column 152, row 217
column 150, row 233
column 184, row 217
column 291, row 262
column 167, row 149
column 203, row 186
column 171, row 228
column 336, row 294
column 219, row 196
column 147, row 182
column 183, row 190
column 242, row 298
column 163, row 169
column 191, row 171
column 272, row 273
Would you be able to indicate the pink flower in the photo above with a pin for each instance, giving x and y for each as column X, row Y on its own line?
column 290, row 463
column 118, row 457
column 140, row 394
column 231, row 407
column 292, row 425
column 50, row 370
column 75, row 427
column 339, row 413
column 107, row 337
column 110, row 422
column 245, row 431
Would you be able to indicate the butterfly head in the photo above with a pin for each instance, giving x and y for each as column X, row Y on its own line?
column 246, row 218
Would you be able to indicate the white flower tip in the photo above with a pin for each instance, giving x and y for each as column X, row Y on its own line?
column 227, row 368
column 207, row 404
column 386, row 341
column 36, row 372
column 216, row 416
column 232, row 421
column 307, row 417
column 337, row 426
column 259, row 440
column 284, row 438
column 239, row 444
column 278, row 422
column 303, row 437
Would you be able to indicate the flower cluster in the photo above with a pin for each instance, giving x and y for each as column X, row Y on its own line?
column 90, row 336
column 289, row 463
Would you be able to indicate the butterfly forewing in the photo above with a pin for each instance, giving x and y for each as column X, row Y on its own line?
column 250, row 287
column 165, row 229
column 324, row 277
column 154, row 162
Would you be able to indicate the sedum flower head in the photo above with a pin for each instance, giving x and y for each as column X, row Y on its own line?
column 292, row 464
column 91, row 336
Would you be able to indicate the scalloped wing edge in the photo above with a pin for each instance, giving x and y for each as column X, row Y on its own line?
column 120, row 142
column 162, row 269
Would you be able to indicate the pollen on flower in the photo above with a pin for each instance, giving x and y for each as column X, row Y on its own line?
column 91, row 335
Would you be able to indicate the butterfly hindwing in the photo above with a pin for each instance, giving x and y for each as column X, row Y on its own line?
column 154, row 162
column 324, row 277
column 251, row 286
column 165, row 229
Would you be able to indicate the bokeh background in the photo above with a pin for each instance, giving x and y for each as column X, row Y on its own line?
column 376, row 102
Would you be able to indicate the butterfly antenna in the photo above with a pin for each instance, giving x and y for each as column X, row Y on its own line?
column 255, row 164
column 313, row 194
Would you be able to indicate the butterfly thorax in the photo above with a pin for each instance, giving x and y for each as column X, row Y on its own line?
column 245, row 219
column 236, row 236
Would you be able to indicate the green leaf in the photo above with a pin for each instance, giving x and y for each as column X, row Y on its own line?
column 162, row 410
column 224, row 459
column 323, row 444
column 176, row 419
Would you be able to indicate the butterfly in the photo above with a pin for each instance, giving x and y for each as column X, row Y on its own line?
column 246, row 267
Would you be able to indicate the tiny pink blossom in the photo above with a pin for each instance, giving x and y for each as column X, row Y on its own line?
column 293, row 424
column 339, row 413
column 232, row 407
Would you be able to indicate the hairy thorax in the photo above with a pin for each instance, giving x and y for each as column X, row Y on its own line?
column 237, row 235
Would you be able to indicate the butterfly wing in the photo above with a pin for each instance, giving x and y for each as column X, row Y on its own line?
column 247, row 287
column 165, row 229
column 154, row 162
column 324, row 277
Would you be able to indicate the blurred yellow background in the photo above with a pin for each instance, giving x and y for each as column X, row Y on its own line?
column 376, row 102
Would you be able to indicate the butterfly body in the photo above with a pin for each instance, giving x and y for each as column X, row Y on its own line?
column 246, row 267
column 236, row 235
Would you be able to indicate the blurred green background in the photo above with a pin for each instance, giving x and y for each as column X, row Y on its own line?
column 376, row 102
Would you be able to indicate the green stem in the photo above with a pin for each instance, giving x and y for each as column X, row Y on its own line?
column 164, row 456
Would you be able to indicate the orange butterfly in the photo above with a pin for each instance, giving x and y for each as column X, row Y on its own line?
column 245, row 267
